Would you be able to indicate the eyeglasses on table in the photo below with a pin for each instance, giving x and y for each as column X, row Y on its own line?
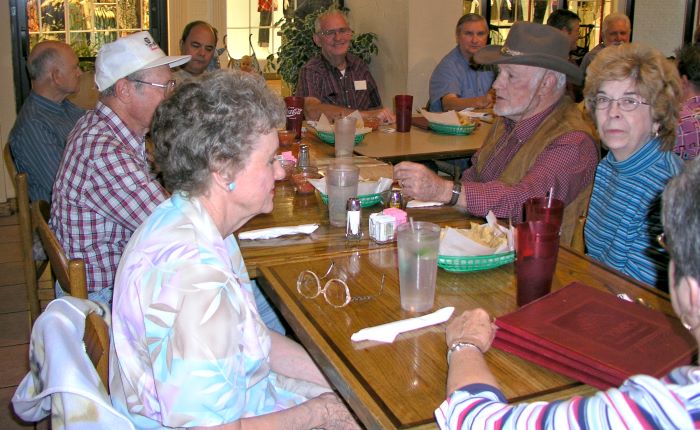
column 335, row 291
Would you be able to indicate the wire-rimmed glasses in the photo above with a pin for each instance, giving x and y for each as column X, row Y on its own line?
column 342, row 32
column 625, row 104
column 335, row 291
column 167, row 87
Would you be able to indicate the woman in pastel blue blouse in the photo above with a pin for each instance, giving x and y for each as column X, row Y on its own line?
column 190, row 349
column 633, row 94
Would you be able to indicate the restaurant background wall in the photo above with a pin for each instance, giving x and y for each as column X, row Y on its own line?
column 667, row 22
column 414, row 35
column 7, row 95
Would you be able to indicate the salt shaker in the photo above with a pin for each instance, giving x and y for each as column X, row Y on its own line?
column 354, row 213
column 304, row 158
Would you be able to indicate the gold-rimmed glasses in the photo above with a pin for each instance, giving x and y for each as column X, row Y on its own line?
column 343, row 32
column 335, row 291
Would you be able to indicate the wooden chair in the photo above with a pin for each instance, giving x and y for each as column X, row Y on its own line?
column 9, row 161
column 96, row 339
column 577, row 241
column 32, row 268
column 69, row 274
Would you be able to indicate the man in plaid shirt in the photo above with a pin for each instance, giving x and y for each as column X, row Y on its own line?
column 104, row 188
column 336, row 82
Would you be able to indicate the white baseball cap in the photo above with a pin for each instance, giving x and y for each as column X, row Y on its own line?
column 126, row 55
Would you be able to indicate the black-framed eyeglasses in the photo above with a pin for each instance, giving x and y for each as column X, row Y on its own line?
column 344, row 31
column 167, row 87
column 626, row 104
column 335, row 291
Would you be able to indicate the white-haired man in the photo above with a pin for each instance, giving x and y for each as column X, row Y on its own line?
column 540, row 142
column 616, row 29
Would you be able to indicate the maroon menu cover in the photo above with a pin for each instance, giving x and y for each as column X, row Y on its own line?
column 580, row 330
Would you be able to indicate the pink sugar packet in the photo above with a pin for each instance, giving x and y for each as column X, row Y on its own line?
column 287, row 155
column 400, row 216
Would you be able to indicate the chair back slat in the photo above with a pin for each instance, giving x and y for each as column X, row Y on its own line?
column 96, row 341
column 9, row 161
column 69, row 274
column 26, row 234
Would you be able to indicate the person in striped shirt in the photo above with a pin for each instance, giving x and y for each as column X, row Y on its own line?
column 38, row 137
column 633, row 94
column 642, row 402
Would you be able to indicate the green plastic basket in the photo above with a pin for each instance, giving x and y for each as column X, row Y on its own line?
column 473, row 264
column 455, row 130
column 366, row 200
column 329, row 138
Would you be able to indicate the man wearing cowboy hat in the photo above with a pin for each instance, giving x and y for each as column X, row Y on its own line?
column 104, row 188
column 540, row 142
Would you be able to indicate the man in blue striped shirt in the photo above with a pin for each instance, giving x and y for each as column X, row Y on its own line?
column 39, row 135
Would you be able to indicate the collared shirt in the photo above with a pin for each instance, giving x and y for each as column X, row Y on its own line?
column 354, row 89
column 688, row 132
column 590, row 55
column 38, row 138
column 192, row 349
column 103, row 192
column 642, row 402
column 566, row 165
column 624, row 214
column 454, row 75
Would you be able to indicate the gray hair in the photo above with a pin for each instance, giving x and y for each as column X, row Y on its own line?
column 615, row 16
column 41, row 58
column 681, row 218
column 331, row 11
column 138, row 75
column 471, row 17
column 210, row 124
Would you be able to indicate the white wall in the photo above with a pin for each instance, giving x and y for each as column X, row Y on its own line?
column 7, row 95
column 667, row 23
column 414, row 35
column 181, row 12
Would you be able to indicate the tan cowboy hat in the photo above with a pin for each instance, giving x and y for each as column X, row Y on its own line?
column 532, row 44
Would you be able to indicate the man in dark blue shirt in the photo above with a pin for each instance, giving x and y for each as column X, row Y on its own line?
column 39, row 135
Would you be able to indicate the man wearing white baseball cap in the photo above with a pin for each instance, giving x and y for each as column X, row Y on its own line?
column 104, row 187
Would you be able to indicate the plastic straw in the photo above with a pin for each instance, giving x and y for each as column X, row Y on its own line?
column 549, row 200
column 410, row 220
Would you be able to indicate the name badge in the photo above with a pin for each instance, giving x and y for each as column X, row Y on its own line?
column 360, row 85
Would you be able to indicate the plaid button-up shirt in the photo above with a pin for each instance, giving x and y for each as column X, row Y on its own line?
column 103, row 191
column 567, row 165
column 319, row 79
column 688, row 132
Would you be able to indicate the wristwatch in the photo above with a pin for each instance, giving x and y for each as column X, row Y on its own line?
column 460, row 345
column 456, row 191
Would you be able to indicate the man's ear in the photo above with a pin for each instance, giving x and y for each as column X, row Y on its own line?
column 317, row 42
column 182, row 45
column 688, row 293
column 122, row 90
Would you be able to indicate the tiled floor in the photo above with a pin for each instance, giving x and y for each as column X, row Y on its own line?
column 14, row 320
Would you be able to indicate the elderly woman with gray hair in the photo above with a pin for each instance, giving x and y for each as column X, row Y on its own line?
column 190, row 349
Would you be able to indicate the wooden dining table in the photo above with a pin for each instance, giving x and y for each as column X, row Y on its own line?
column 398, row 385
column 419, row 144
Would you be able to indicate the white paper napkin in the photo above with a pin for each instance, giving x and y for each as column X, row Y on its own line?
column 323, row 124
column 448, row 118
column 269, row 233
column 422, row 204
column 454, row 242
column 388, row 332
column 479, row 115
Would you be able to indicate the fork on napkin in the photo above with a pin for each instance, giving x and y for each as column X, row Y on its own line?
column 269, row 233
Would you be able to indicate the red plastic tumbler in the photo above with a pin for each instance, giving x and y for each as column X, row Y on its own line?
column 295, row 113
column 403, row 107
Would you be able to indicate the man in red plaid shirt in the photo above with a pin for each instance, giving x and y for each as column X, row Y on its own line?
column 540, row 142
column 104, row 188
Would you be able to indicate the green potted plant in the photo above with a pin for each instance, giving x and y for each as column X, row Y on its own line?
column 298, row 46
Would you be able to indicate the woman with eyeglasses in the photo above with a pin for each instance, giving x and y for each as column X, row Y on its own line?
column 190, row 349
column 632, row 93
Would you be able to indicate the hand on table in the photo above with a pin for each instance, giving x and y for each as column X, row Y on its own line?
column 421, row 183
column 337, row 414
column 383, row 114
column 473, row 326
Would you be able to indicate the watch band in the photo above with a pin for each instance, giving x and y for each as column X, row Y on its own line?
column 456, row 191
column 459, row 345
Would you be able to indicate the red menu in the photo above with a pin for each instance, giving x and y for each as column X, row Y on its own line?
column 595, row 337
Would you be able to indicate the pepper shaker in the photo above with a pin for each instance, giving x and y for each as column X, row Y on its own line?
column 304, row 158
